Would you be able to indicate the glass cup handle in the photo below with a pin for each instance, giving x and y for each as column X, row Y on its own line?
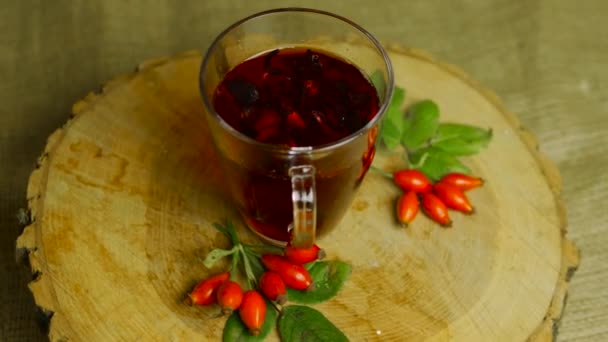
column 304, row 197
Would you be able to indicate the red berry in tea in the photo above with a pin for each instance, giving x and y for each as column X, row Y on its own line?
column 296, row 97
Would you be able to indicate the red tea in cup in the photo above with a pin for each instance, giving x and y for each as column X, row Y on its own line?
column 295, row 97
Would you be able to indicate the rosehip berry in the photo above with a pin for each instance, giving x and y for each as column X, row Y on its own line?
column 303, row 255
column 294, row 276
column 229, row 296
column 453, row 197
column 407, row 207
column 436, row 209
column 204, row 293
column 413, row 180
column 462, row 181
column 253, row 311
column 273, row 287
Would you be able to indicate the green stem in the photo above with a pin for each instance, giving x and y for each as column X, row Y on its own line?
column 252, row 253
column 419, row 163
column 382, row 172
column 232, row 231
column 408, row 160
column 273, row 249
column 248, row 271
column 234, row 265
column 274, row 305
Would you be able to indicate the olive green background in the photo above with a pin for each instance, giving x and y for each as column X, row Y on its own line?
column 548, row 61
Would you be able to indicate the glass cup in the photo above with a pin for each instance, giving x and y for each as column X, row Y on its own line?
column 294, row 193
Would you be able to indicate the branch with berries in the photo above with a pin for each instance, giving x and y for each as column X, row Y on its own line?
column 261, row 280
column 434, row 178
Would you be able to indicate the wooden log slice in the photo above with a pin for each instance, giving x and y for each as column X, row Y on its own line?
column 125, row 194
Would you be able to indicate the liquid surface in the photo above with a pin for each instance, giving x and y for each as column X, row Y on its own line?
column 296, row 97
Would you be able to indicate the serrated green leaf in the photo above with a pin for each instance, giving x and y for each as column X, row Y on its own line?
column 377, row 79
column 236, row 331
column 394, row 113
column 301, row 323
column 436, row 163
column 458, row 139
column 393, row 122
column 467, row 132
column 424, row 117
column 458, row 147
column 328, row 278
column 215, row 255
column 396, row 103
column 390, row 134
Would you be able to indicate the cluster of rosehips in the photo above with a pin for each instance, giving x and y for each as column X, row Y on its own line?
column 436, row 198
column 282, row 272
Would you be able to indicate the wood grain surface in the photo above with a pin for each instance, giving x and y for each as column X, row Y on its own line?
column 127, row 190
column 545, row 59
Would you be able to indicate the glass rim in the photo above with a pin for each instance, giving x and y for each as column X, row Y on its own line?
column 316, row 149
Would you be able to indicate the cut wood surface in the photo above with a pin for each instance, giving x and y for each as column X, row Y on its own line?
column 127, row 190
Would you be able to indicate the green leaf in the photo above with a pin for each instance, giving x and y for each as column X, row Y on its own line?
column 328, row 278
column 424, row 117
column 394, row 108
column 390, row 134
column 377, row 79
column 302, row 323
column 393, row 123
column 436, row 163
column 216, row 254
column 458, row 147
column 467, row 132
column 254, row 261
column 222, row 230
column 235, row 329
column 458, row 139
column 229, row 231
